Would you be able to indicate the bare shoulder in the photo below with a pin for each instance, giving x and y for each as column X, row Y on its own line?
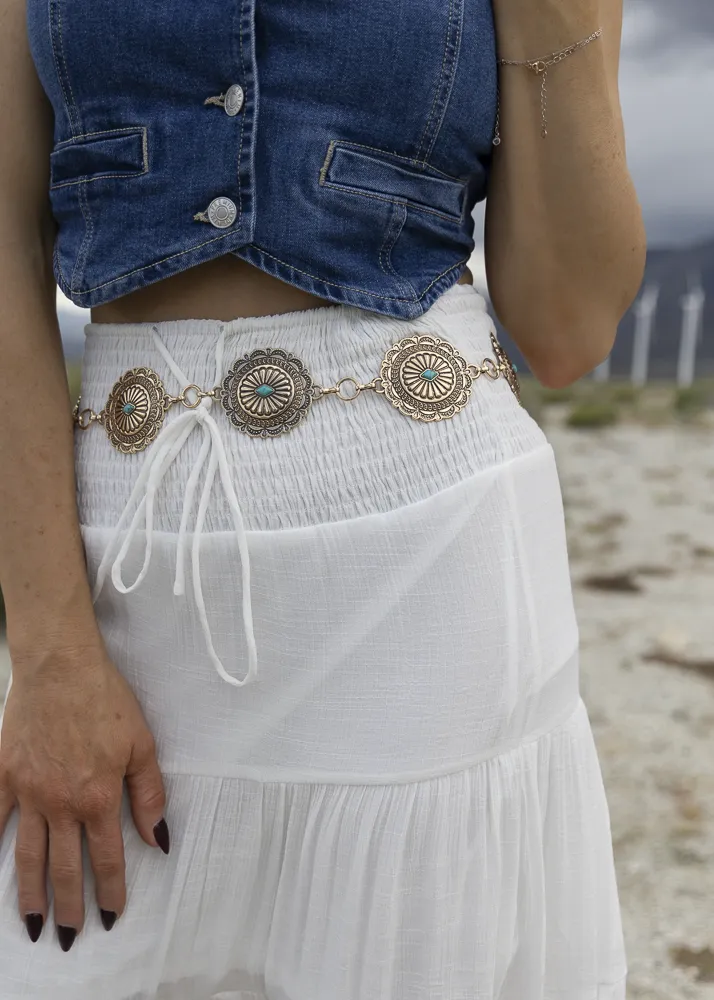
column 26, row 127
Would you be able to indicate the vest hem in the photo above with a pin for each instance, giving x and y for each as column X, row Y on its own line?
column 396, row 306
column 148, row 274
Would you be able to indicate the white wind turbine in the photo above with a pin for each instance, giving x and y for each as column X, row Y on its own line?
column 644, row 309
column 692, row 311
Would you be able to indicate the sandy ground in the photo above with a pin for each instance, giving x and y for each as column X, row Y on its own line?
column 640, row 514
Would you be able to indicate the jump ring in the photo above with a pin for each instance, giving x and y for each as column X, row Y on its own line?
column 355, row 383
column 199, row 396
column 85, row 418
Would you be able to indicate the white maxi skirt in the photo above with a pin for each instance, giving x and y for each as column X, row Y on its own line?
column 404, row 800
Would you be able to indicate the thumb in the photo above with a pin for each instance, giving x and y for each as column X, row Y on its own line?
column 147, row 797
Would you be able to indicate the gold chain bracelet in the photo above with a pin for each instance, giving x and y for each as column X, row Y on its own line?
column 269, row 391
column 540, row 68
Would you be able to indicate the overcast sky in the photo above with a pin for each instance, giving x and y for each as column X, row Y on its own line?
column 667, row 95
column 667, row 92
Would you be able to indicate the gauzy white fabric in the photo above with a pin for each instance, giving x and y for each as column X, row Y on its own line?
column 405, row 801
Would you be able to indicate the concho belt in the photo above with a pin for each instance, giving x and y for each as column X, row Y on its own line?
column 270, row 391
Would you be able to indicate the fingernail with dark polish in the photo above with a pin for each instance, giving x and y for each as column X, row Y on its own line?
column 34, row 923
column 161, row 834
column 108, row 918
column 66, row 937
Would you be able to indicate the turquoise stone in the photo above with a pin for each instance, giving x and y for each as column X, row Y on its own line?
column 514, row 367
column 265, row 390
column 128, row 408
column 429, row 374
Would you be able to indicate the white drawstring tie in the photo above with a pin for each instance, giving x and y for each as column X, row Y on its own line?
column 161, row 456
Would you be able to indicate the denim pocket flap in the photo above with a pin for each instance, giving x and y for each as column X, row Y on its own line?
column 119, row 152
column 393, row 178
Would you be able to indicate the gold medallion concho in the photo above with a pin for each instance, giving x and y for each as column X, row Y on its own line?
column 425, row 378
column 267, row 392
column 508, row 370
column 135, row 410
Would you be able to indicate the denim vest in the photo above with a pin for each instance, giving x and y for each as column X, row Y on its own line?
column 339, row 145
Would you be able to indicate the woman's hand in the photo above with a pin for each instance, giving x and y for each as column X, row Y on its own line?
column 72, row 731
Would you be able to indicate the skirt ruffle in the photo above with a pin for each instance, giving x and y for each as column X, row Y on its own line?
column 495, row 881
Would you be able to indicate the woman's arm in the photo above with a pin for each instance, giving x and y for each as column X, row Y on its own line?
column 41, row 559
column 72, row 729
column 564, row 239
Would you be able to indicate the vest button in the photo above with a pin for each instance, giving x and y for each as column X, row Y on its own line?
column 234, row 99
column 222, row 212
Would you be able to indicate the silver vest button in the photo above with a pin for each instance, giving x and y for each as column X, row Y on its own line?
column 234, row 99
column 222, row 212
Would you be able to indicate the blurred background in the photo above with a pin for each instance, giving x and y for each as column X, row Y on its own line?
column 635, row 450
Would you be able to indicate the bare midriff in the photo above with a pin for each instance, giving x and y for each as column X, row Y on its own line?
column 223, row 288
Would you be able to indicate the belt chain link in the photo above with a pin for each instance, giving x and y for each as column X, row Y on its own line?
column 269, row 391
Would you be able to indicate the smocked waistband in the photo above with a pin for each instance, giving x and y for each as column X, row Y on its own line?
column 346, row 459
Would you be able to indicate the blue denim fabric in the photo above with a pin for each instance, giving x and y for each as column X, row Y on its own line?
column 361, row 148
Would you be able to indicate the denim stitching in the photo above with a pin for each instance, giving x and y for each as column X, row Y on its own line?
column 64, row 62
column 452, row 74
column 324, row 281
column 51, row 7
column 395, row 201
column 161, row 260
column 63, row 283
column 328, row 160
column 106, row 131
column 85, row 178
column 388, row 230
column 242, row 117
column 437, row 89
column 88, row 236
column 84, row 239
column 90, row 224
column 353, row 288
column 385, row 251
column 145, row 149
column 464, row 260
column 340, row 143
